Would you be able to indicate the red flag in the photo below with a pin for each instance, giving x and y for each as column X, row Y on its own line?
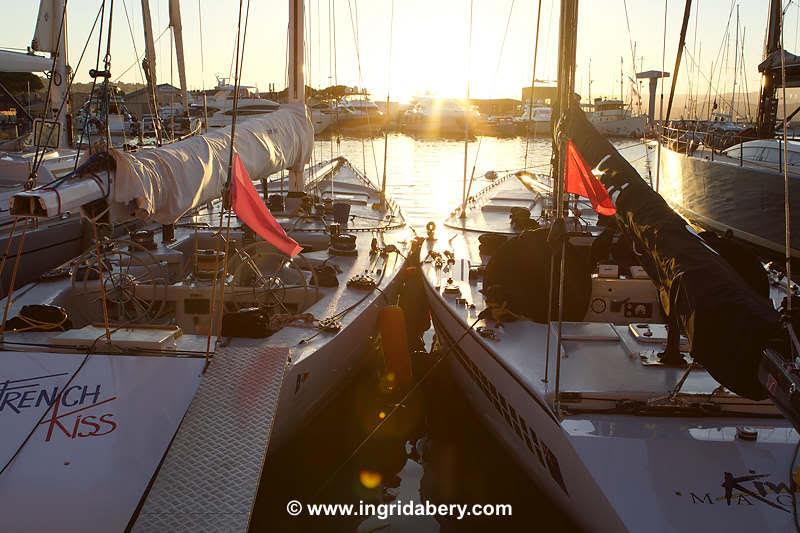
column 581, row 181
column 250, row 209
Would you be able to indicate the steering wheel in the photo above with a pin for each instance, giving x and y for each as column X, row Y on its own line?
column 263, row 276
column 134, row 282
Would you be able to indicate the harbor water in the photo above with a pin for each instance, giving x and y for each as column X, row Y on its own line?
column 428, row 446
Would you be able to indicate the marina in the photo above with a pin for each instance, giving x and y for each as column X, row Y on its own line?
column 394, row 292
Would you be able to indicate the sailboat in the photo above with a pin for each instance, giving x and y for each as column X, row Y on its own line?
column 562, row 328
column 737, row 185
column 159, row 370
column 60, row 236
column 47, row 158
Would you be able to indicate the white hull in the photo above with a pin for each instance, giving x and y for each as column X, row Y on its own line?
column 257, row 390
column 615, row 457
column 627, row 127
column 545, row 454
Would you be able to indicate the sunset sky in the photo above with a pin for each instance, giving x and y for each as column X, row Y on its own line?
column 429, row 50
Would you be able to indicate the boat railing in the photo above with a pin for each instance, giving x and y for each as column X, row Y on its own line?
column 712, row 140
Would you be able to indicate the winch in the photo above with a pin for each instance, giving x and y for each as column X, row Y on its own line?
column 208, row 263
column 144, row 238
column 343, row 244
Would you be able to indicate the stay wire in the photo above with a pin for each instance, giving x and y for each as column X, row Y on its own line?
column 92, row 98
column 533, row 84
column 225, row 207
column 494, row 85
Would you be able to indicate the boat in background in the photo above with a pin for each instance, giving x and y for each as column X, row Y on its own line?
column 613, row 118
column 728, row 178
column 433, row 117
column 219, row 106
column 356, row 114
column 535, row 121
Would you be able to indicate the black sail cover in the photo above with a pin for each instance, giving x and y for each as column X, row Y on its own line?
column 727, row 322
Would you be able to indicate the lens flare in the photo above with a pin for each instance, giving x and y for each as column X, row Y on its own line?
column 369, row 478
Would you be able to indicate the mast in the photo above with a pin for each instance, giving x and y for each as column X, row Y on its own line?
column 149, row 66
column 567, row 44
column 590, row 81
column 621, row 77
column 768, row 100
column 177, row 32
column 51, row 36
column 296, row 90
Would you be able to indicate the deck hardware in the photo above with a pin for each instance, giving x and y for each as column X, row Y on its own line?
column 430, row 227
column 487, row 333
column 362, row 282
column 746, row 433
column 330, row 324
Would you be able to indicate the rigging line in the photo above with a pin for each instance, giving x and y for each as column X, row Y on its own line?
column 136, row 54
column 386, row 111
column 354, row 29
column 722, row 47
column 786, row 205
column 681, row 45
column 494, row 85
column 13, row 281
column 661, row 105
column 354, row 23
column 630, row 36
column 107, row 67
column 78, row 65
column 393, row 410
column 9, row 241
column 226, row 194
column 86, row 126
column 139, row 58
column 533, row 83
column 466, row 122
column 37, row 156
column 787, row 249
column 721, row 98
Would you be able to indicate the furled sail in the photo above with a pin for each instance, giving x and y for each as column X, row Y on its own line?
column 11, row 61
column 162, row 184
column 727, row 321
column 48, row 23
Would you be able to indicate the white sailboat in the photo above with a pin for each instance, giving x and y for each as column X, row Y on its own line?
column 42, row 159
column 618, row 436
column 186, row 354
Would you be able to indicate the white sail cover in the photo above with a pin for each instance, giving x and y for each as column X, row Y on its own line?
column 164, row 183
